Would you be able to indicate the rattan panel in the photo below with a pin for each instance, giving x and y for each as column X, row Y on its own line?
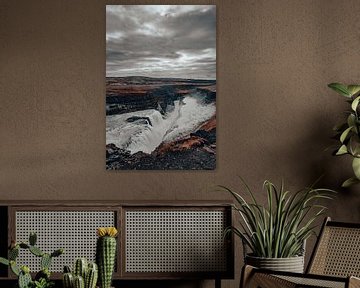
column 313, row 282
column 175, row 241
column 338, row 253
column 75, row 231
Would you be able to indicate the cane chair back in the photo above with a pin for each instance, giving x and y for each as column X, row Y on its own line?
column 337, row 252
column 335, row 262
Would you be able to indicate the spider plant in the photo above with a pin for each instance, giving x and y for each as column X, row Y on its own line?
column 279, row 229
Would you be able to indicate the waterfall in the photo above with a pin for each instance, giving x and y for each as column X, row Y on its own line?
column 180, row 120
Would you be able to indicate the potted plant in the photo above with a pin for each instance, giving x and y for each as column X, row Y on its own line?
column 84, row 274
column 87, row 274
column 106, row 254
column 42, row 278
column 276, row 233
column 348, row 132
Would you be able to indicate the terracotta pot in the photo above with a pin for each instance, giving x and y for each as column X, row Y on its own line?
column 291, row 264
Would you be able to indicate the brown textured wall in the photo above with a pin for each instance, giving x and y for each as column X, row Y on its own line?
column 275, row 113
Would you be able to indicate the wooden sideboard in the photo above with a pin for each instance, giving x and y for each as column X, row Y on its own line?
column 157, row 240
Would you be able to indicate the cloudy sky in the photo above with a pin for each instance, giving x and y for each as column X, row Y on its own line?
column 161, row 41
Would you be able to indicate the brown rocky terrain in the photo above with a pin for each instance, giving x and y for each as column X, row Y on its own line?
column 128, row 94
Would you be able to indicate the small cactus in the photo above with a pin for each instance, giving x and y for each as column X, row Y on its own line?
column 91, row 276
column 32, row 238
column 36, row 251
column 68, row 280
column 24, row 277
column 42, row 278
column 80, row 268
column 89, row 272
column 13, row 253
column 106, row 254
column 67, row 269
column 44, row 273
column 25, row 269
column 45, row 261
column 79, row 282
column 57, row 252
column 24, row 245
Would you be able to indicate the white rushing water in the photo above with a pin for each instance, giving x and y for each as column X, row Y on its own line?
column 154, row 128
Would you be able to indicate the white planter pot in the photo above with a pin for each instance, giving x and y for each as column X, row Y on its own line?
column 291, row 264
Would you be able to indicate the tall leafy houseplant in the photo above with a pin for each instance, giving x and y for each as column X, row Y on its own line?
column 279, row 228
column 348, row 132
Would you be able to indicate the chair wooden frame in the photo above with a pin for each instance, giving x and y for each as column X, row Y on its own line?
column 319, row 272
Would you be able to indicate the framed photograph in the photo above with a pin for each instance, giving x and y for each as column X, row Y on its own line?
column 160, row 87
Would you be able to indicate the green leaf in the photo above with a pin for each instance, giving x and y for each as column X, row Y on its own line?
column 345, row 134
column 353, row 89
column 351, row 120
column 349, row 182
column 14, row 268
column 342, row 150
column 354, row 145
column 356, row 167
column 355, row 103
column 340, row 88
column 4, row 261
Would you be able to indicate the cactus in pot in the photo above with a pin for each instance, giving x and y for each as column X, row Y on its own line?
column 85, row 275
column 81, row 267
column 79, row 282
column 91, row 276
column 106, row 254
column 42, row 278
column 25, row 279
column 68, row 278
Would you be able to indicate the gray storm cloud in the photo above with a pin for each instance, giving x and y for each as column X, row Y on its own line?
column 161, row 41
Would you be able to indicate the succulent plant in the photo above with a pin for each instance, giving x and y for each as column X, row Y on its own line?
column 85, row 275
column 32, row 239
column 68, row 278
column 24, row 277
column 79, row 282
column 42, row 283
column 106, row 254
column 91, row 276
column 81, row 266
column 42, row 278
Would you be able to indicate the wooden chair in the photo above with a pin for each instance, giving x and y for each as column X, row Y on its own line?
column 334, row 263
